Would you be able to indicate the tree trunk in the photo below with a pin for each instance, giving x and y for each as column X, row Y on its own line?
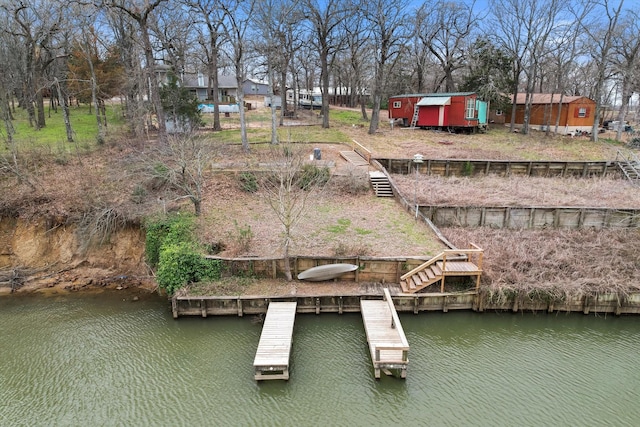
column 274, row 113
column 243, row 120
column 283, row 94
column 363, row 108
column 287, row 257
column 626, row 96
column 65, row 111
column 213, row 79
column 154, row 88
column 324, row 63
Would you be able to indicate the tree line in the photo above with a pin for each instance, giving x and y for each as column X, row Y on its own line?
column 93, row 50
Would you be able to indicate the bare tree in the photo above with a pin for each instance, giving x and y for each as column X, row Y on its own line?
column 278, row 22
column 512, row 36
column 388, row 31
column 211, row 38
column 627, row 61
column 357, row 60
column 601, row 34
column 35, row 26
column 140, row 11
column 287, row 188
column 238, row 19
column 127, row 45
column 539, row 24
column 444, row 29
column 324, row 18
column 179, row 167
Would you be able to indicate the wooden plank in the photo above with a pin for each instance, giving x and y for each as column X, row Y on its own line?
column 354, row 158
column 274, row 348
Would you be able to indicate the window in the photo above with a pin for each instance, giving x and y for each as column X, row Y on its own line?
column 582, row 112
column 471, row 108
column 397, row 104
column 498, row 112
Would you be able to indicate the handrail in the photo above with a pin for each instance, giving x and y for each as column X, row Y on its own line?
column 423, row 266
column 632, row 156
column 404, row 349
column 365, row 149
column 395, row 320
column 442, row 256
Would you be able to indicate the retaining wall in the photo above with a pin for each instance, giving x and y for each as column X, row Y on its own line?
column 452, row 167
column 370, row 269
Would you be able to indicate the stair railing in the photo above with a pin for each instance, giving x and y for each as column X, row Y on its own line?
column 442, row 256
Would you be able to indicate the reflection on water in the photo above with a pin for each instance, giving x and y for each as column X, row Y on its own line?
column 101, row 360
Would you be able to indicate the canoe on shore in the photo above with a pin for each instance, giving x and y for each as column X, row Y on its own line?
column 326, row 272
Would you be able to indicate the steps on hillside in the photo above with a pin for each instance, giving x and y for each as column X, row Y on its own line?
column 631, row 170
column 380, row 183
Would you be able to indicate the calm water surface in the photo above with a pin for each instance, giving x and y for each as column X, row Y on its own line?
column 99, row 360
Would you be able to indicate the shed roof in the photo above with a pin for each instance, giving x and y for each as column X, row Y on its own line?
column 546, row 98
column 424, row 95
column 434, row 100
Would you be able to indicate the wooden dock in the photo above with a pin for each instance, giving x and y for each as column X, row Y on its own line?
column 387, row 343
column 272, row 357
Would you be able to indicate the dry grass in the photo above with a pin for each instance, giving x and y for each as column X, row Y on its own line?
column 520, row 191
column 559, row 262
column 337, row 222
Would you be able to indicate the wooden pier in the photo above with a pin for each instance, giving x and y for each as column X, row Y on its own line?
column 272, row 357
column 387, row 343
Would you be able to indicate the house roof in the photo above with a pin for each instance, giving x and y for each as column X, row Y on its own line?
column 546, row 98
column 256, row 82
column 224, row 81
column 434, row 100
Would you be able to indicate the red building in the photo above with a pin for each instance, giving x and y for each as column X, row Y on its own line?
column 458, row 110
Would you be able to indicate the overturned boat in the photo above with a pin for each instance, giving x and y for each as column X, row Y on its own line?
column 326, row 272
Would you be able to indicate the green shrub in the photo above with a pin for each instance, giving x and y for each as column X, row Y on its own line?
column 248, row 182
column 311, row 175
column 181, row 264
column 243, row 236
column 467, row 169
column 138, row 195
column 166, row 230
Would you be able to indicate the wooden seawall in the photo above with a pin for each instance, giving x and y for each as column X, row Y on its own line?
column 612, row 303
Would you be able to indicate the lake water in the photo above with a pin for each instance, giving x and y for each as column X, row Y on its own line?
column 104, row 360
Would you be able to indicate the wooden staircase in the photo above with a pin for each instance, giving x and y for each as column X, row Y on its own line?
column 380, row 183
column 451, row 262
column 630, row 166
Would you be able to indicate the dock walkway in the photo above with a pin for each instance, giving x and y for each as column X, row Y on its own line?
column 387, row 342
column 272, row 357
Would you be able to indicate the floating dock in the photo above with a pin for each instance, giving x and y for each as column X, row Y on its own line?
column 274, row 349
column 387, row 343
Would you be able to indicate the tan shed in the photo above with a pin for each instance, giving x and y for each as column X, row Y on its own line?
column 577, row 113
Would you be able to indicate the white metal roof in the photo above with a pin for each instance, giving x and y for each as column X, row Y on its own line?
column 434, row 100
